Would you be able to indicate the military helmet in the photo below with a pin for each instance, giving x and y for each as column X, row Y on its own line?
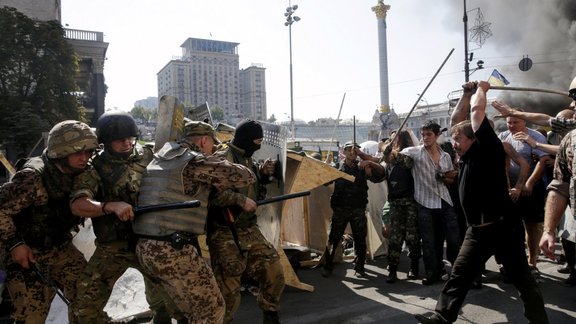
column 70, row 136
column 115, row 125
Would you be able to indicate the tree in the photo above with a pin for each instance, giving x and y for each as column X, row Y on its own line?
column 145, row 114
column 37, row 85
column 217, row 113
column 272, row 118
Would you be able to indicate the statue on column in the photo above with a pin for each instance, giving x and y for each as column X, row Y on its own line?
column 389, row 121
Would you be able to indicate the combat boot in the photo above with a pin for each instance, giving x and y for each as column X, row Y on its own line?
column 414, row 268
column 328, row 262
column 392, row 276
column 359, row 265
column 271, row 317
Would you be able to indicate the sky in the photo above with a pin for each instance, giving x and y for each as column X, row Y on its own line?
column 335, row 47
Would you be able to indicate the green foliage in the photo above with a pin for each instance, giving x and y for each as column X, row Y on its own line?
column 145, row 114
column 217, row 113
column 272, row 118
column 37, row 86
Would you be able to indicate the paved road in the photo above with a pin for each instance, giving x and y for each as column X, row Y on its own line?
column 344, row 298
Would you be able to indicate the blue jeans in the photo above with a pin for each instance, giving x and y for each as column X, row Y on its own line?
column 435, row 225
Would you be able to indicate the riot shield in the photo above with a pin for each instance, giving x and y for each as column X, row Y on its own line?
column 201, row 113
column 170, row 121
column 273, row 147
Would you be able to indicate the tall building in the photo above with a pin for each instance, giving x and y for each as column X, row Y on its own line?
column 253, row 92
column 208, row 71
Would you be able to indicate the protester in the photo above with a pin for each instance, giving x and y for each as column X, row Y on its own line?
column 348, row 202
column 237, row 247
column 402, row 209
column 433, row 171
column 492, row 226
column 168, row 246
column 107, row 193
column 36, row 223
column 530, row 205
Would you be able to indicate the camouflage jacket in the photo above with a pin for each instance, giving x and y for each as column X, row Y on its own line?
column 112, row 179
column 34, row 206
column 233, row 198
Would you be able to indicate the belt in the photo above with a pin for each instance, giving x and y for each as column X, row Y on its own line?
column 177, row 240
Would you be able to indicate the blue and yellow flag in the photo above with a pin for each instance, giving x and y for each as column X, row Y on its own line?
column 497, row 79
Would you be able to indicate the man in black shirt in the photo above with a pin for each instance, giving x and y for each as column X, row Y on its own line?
column 491, row 228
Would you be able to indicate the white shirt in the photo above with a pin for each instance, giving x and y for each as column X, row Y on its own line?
column 428, row 191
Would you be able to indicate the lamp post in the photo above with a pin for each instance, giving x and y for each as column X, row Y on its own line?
column 290, row 19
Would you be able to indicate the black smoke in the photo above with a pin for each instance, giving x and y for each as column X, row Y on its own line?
column 545, row 31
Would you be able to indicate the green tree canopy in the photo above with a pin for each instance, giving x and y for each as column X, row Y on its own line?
column 217, row 113
column 37, row 85
column 145, row 114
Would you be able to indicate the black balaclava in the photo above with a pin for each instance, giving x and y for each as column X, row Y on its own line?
column 246, row 132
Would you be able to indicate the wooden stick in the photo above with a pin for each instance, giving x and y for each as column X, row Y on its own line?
column 562, row 93
column 420, row 97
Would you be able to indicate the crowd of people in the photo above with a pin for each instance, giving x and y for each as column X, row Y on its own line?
column 435, row 199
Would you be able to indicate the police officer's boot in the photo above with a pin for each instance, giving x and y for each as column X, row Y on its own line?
column 271, row 317
column 161, row 316
column 414, row 268
column 392, row 276
column 359, row 264
column 328, row 261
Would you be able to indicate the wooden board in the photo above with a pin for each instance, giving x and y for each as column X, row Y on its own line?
column 308, row 173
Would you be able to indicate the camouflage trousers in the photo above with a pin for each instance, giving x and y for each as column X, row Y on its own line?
column 358, row 223
column 187, row 278
column 31, row 297
column 259, row 261
column 403, row 228
column 107, row 264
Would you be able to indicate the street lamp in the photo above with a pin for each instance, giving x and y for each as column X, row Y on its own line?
column 289, row 20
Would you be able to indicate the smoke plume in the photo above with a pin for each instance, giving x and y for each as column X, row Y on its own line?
column 545, row 31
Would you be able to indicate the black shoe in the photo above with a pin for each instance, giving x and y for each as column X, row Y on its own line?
column 414, row 269
column 477, row 282
column 271, row 317
column 505, row 278
column 392, row 276
column 359, row 269
column 571, row 281
column 430, row 279
column 433, row 319
column 326, row 272
column 565, row 269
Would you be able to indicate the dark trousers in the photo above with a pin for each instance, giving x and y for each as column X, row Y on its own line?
column 480, row 243
column 435, row 225
column 358, row 223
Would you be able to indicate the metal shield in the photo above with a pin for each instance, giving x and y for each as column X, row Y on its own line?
column 170, row 125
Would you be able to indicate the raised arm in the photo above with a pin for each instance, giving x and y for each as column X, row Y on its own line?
column 534, row 118
column 462, row 109
column 478, row 110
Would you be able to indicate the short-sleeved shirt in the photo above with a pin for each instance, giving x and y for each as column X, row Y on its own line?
column 428, row 191
column 483, row 185
column 524, row 150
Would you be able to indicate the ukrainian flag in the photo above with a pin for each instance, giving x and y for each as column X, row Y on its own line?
column 497, row 79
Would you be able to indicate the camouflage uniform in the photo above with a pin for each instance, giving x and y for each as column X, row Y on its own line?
column 112, row 179
column 403, row 216
column 35, row 212
column 259, row 259
column 348, row 202
column 185, row 275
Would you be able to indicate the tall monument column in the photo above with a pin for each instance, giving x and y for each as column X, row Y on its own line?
column 388, row 117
